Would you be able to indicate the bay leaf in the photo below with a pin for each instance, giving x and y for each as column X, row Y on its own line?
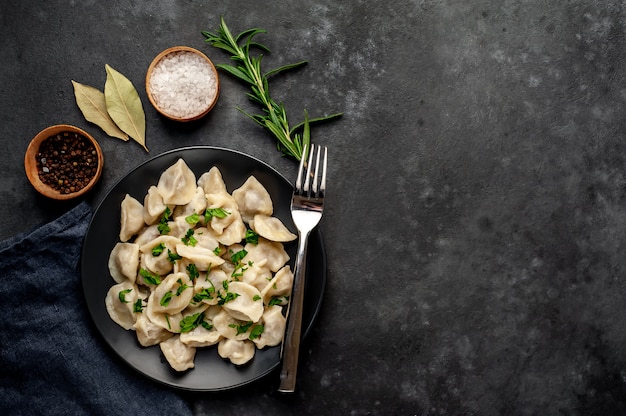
column 92, row 104
column 124, row 106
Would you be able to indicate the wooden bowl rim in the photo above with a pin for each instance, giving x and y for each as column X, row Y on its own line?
column 30, row 162
column 157, row 59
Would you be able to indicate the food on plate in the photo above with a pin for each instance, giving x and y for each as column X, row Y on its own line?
column 197, row 266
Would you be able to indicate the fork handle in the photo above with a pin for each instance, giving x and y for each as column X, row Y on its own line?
column 291, row 343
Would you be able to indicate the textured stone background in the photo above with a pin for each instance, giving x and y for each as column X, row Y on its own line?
column 476, row 215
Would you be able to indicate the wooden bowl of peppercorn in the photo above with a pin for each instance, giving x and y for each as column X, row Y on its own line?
column 63, row 162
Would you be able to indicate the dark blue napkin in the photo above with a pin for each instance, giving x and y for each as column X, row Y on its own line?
column 52, row 362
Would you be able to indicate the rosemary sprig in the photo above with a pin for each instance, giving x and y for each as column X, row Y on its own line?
column 248, row 69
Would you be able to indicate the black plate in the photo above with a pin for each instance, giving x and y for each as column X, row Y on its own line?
column 211, row 373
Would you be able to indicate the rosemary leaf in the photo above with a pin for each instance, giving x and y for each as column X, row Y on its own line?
column 247, row 68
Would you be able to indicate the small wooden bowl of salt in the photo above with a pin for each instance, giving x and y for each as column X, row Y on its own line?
column 182, row 84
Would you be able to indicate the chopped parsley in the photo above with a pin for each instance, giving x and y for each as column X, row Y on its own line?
column 157, row 250
column 189, row 239
column 172, row 257
column 122, row 295
column 251, row 237
column 138, row 306
column 206, row 293
column 165, row 300
column 181, row 288
column 163, row 227
column 238, row 256
column 149, row 277
column 278, row 300
column 210, row 213
column 256, row 331
column 192, row 219
column 229, row 296
column 190, row 322
column 256, row 297
column 241, row 328
column 192, row 270
column 236, row 259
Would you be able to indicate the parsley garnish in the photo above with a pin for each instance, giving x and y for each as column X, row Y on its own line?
column 206, row 293
column 236, row 259
column 256, row 331
column 217, row 250
column 165, row 300
column 238, row 256
column 190, row 322
column 138, row 306
column 149, row 277
column 163, row 227
column 181, row 288
column 192, row 269
column 277, row 300
column 157, row 250
column 172, row 257
column 226, row 298
column 215, row 212
column 251, row 237
column 189, row 239
column 122, row 295
column 192, row 219
column 256, row 297
column 242, row 328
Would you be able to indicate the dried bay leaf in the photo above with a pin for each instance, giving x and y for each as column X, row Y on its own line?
column 124, row 106
column 92, row 104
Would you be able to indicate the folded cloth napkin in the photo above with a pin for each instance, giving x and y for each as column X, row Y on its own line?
column 52, row 362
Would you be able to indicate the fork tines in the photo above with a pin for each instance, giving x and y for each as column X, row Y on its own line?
column 311, row 189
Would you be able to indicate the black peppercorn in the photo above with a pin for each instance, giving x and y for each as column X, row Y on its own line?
column 63, row 162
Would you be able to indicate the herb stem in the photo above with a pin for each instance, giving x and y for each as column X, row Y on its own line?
column 291, row 141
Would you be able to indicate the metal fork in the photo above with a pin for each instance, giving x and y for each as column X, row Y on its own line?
column 307, row 205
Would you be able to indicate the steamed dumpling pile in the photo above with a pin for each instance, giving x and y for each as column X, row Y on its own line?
column 197, row 266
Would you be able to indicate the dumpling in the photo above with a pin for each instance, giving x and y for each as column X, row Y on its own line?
column 271, row 228
column 131, row 218
column 156, row 254
column 202, row 257
column 201, row 336
column 273, row 251
column 147, row 234
column 247, row 305
column 252, row 199
column 173, row 294
column 238, row 352
column 179, row 355
column 177, row 184
column 166, row 321
column 148, row 333
column 229, row 327
column 124, row 262
column 280, row 285
column 234, row 233
column 257, row 275
column 206, row 287
column 153, row 206
column 273, row 327
column 197, row 205
column 227, row 203
column 119, row 303
column 205, row 238
column 212, row 182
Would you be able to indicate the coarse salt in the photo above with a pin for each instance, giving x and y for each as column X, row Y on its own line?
column 183, row 84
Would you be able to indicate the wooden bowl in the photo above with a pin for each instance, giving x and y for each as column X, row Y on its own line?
column 62, row 134
column 203, row 106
